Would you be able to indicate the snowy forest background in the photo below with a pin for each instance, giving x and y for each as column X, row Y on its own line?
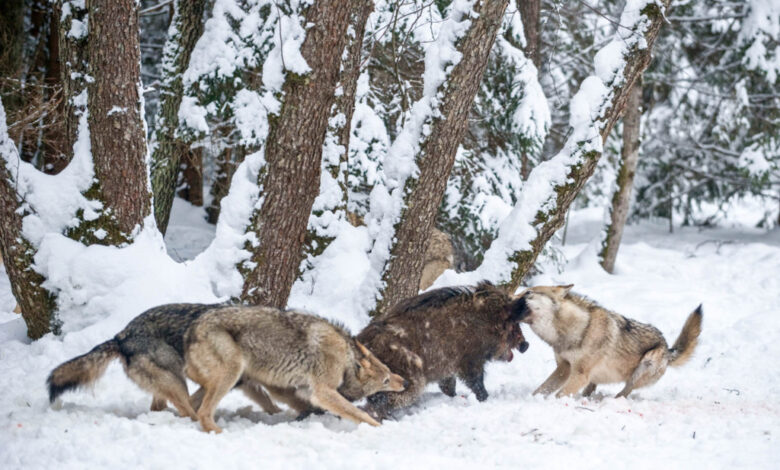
column 339, row 156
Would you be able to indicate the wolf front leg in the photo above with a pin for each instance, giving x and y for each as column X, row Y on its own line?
column 578, row 378
column 331, row 400
column 556, row 379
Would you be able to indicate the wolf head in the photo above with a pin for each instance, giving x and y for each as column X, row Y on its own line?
column 372, row 376
column 540, row 308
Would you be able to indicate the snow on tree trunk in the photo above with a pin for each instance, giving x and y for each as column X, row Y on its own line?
column 530, row 14
column 553, row 184
column 184, row 31
column 621, row 200
column 292, row 154
column 425, row 151
column 36, row 303
column 73, row 66
column 329, row 211
column 116, row 125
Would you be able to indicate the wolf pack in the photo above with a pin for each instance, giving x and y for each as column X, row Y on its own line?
column 313, row 365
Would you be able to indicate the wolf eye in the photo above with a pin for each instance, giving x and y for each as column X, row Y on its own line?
column 387, row 381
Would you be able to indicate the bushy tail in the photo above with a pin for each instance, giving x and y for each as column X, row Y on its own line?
column 683, row 348
column 82, row 370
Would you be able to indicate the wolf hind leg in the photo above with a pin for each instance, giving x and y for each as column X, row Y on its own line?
column 159, row 403
column 254, row 391
column 331, row 400
column 651, row 367
column 164, row 380
column 591, row 387
column 216, row 364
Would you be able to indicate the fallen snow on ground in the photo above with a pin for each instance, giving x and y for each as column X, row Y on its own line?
column 720, row 410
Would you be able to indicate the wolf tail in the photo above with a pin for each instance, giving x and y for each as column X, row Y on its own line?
column 683, row 348
column 82, row 370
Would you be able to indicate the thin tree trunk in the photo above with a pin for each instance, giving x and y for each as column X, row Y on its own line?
column 436, row 157
column 226, row 166
column 550, row 214
column 187, row 26
column 293, row 152
column 341, row 118
column 192, row 177
column 36, row 303
column 621, row 200
column 530, row 15
column 116, row 125
column 11, row 51
column 73, row 67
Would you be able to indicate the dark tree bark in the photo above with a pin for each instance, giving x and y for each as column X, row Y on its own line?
column 36, row 303
column 170, row 149
column 621, row 200
column 293, row 152
column 11, row 51
column 226, row 165
column 191, row 187
column 530, row 15
column 436, row 157
column 116, row 123
column 532, row 26
column 344, row 104
column 552, row 213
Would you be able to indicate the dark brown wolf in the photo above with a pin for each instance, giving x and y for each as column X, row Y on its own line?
column 595, row 346
column 300, row 359
column 440, row 334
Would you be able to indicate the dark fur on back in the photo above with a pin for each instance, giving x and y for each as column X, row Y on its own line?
column 156, row 335
column 437, row 335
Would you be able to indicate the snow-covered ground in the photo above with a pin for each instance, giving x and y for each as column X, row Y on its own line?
column 721, row 410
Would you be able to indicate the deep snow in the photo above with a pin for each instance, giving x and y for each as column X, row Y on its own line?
column 720, row 410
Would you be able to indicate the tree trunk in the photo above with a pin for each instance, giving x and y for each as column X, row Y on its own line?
column 551, row 212
column 192, row 177
column 293, row 152
column 226, row 166
column 532, row 27
column 340, row 129
column 436, row 157
column 629, row 156
column 187, row 26
column 530, row 15
column 116, row 125
column 73, row 67
column 36, row 303
column 11, row 51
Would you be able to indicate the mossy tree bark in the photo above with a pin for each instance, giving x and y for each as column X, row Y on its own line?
column 36, row 303
column 436, row 157
column 116, row 125
column 621, row 200
column 187, row 26
column 293, row 152
column 551, row 213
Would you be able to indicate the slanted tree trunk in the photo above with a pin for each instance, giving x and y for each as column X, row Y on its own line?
column 437, row 155
column 36, row 303
column 551, row 212
column 186, row 28
column 116, row 125
column 621, row 200
column 530, row 15
column 293, row 152
column 340, row 120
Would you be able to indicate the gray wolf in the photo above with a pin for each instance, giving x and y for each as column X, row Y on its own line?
column 300, row 359
column 594, row 346
column 439, row 335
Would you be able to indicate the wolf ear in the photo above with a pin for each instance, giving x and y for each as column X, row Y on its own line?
column 363, row 350
column 563, row 290
column 365, row 364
